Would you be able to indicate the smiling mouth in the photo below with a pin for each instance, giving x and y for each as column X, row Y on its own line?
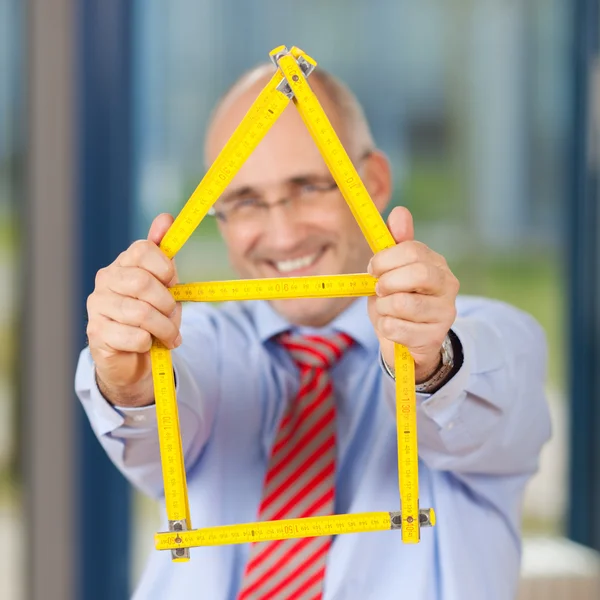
column 297, row 264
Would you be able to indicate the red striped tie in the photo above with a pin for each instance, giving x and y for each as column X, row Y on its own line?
column 300, row 478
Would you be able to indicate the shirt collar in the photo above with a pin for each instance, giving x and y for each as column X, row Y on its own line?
column 354, row 321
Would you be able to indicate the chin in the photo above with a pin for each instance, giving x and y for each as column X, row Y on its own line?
column 310, row 312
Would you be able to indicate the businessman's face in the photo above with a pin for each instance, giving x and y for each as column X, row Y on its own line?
column 283, row 216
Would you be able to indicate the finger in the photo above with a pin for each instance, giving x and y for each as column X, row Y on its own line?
column 137, row 313
column 141, row 284
column 159, row 228
column 148, row 256
column 401, row 225
column 417, row 308
column 104, row 334
column 424, row 278
column 157, row 232
column 419, row 337
column 404, row 253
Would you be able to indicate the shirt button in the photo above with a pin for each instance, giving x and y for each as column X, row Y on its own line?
column 139, row 418
column 450, row 425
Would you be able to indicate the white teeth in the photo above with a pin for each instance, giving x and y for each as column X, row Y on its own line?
column 285, row 266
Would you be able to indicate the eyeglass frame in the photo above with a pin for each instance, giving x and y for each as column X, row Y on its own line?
column 286, row 200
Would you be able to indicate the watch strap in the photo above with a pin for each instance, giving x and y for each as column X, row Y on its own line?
column 451, row 361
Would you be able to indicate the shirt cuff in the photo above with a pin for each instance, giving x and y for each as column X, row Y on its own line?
column 104, row 416
column 142, row 417
column 442, row 405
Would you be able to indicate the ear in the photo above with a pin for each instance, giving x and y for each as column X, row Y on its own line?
column 377, row 177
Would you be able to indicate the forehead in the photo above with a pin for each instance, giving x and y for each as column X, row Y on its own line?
column 287, row 150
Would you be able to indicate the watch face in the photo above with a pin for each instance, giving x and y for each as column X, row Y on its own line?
column 447, row 351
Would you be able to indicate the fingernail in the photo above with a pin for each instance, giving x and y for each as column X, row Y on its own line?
column 377, row 288
column 177, row 341
column 369, row 269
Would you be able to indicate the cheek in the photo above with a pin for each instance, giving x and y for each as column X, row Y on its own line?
column 238, row 244
column 355, row 247
column 339, row 220
column 350, row 232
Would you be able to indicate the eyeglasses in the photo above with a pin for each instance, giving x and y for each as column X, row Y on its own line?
column 250, row 208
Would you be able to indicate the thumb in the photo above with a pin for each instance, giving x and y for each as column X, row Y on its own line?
column 157, row 232
column 400, row 224
column 159, row 227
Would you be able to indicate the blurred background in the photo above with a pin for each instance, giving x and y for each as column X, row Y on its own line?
column 489, row 111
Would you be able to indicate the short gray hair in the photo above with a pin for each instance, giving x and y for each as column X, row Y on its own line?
column 351, row 113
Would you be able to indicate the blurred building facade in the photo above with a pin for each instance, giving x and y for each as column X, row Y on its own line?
column 470, row 93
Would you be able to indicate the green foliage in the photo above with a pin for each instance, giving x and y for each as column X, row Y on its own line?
column 432, row 191
column 532, row 282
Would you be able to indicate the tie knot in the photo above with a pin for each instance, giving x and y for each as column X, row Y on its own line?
column 316, row 351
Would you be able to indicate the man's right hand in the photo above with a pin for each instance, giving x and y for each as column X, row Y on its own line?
column 130, row 304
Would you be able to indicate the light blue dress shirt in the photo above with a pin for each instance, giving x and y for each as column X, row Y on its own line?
column 479, row 441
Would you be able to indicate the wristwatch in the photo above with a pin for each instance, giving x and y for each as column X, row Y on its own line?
column 441, row 374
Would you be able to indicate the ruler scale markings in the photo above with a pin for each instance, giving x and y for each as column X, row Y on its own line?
column 260, row 117
column 336, row 158
column 407, row 447
column 175, row 492
column 286, row 529
column 254, row 126
column 379, row 237
column 315, row 286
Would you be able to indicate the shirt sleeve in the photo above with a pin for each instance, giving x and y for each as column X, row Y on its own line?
column 491, row 418
column 130, row 435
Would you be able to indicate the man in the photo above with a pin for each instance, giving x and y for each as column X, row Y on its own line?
column 287, row 407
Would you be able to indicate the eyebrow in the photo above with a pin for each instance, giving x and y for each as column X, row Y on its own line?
column 300, row 179
column 247, row 190
column 234, row 195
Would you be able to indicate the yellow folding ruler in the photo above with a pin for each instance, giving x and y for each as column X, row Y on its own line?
column 288, row 83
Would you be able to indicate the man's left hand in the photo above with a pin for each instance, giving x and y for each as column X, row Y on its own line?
column 415, row 303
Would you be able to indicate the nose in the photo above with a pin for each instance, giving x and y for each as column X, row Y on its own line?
column 284, row 226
